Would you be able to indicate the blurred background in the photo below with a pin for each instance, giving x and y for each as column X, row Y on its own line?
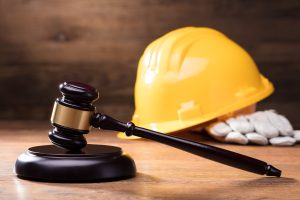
column 45, row 42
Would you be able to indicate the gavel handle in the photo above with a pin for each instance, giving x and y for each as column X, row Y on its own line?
column 207, row 151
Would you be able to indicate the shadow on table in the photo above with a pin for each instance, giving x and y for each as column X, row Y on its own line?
column 147, row 186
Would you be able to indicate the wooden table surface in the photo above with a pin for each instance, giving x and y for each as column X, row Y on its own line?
column 163, row 172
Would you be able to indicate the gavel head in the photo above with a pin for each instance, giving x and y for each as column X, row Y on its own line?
column 71, row 115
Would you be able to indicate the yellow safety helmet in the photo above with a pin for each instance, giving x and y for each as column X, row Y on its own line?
column 192, row 75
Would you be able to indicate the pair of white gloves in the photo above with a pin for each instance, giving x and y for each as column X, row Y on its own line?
column 260, row 128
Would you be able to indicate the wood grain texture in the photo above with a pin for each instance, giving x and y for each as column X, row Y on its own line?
column 163, row 172
column 43, row 43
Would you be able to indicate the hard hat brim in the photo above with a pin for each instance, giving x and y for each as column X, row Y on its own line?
column 178, row 125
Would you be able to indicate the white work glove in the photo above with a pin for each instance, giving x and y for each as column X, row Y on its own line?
column 261, row 128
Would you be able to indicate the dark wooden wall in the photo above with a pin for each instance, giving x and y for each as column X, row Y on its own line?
column 44, row 42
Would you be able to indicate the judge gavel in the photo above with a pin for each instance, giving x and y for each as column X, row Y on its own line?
column 74, row 114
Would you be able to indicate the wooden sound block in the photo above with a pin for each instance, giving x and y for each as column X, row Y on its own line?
column 93, row 163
